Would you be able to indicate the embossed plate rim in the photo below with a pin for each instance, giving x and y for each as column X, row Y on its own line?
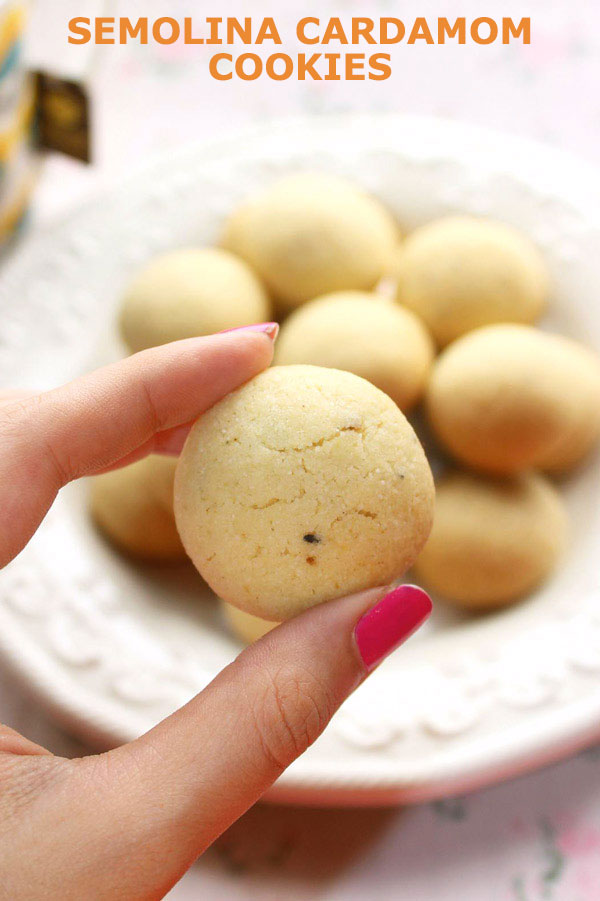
column 362, row 758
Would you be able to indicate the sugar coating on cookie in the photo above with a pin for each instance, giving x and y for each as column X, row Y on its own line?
column 303, row 485
column 133, row 506
column 460, row 272
column 509, row 397
column 244, row 626
column 365, row 334
column 310, row 234
column 493, row 540
column 190, row 292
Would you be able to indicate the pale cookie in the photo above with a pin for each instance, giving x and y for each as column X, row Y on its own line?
column 364, row 334
column 492, row 541
column 303, row 485
column 460, row 273
column 190, row 292
column 134, row 508
column 509, row 397
column 310, row 234
column 244, row 626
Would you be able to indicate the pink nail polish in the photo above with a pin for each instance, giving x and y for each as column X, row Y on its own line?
column 269, row 328
column 390, row 622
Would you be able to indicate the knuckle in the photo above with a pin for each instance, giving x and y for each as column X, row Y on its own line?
column 25, row 778
column 153, row 415
column 290, row 712
column 15, row 413
column 62, row 464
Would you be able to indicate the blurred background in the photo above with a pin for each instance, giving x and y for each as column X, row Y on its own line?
column 537, row 837
column 148, row 99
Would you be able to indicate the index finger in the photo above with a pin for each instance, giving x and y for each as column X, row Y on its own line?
column 47, row 440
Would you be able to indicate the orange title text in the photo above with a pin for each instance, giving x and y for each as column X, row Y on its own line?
column 328, row 49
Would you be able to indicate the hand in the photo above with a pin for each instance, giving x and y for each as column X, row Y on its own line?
column 128, row 823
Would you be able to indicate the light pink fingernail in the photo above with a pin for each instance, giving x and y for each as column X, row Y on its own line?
column 390, row 622
column 271, row 329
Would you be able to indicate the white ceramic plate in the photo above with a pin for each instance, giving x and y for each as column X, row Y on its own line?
column 112, row 648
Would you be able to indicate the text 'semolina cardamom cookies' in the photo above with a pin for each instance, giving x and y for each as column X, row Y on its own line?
column 493, row 540
column 303, row 485
column 460, row 272
column 133, row 506
column 365, row 334
column 508, row 397
column 190, row 292
column 310, row 234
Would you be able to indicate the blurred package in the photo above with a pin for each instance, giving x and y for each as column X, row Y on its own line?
column 17, row 112
column 43, row 106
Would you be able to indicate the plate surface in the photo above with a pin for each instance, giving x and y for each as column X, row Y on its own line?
column 112, row 648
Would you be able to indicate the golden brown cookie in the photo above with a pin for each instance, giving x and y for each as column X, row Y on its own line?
column 245, row 626
column 134, row 508
column 509, row 397
column 493, row 540
column 303, row 485
column 190, row 292
column 311, row 234
column 365, row 334
column 461, row 272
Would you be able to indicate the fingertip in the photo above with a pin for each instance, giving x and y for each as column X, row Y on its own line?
column 257, row 341
column 270, row 329
column 391, row 622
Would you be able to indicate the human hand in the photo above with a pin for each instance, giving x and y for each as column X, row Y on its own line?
column 128, row 823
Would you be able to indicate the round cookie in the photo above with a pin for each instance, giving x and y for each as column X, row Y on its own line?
column 133, row 506
column 509, row 397
column 492, row 540
column 364, row 334
column 460, row 273
column 310, row 234
column 303, row 485
column 190, row 292
column 244, row 626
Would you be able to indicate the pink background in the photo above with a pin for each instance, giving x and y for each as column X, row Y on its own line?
column 537, row 837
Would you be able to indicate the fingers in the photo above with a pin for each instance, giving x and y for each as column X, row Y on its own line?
column 168, row 795
column 100, row 418
column 127, row 824
column 169, row 443
column 10, row 395
column 12, row 742
column 113, row 416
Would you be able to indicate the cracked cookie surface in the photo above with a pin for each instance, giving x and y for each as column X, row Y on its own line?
column 303, row 485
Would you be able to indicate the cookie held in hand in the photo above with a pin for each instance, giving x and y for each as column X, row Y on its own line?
column 303, row 485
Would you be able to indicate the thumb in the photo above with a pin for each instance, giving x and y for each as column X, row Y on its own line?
column 127, row 824
column 154, row 805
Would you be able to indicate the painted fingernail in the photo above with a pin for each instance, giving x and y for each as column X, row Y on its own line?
column 390, row 622
column 271, row 329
